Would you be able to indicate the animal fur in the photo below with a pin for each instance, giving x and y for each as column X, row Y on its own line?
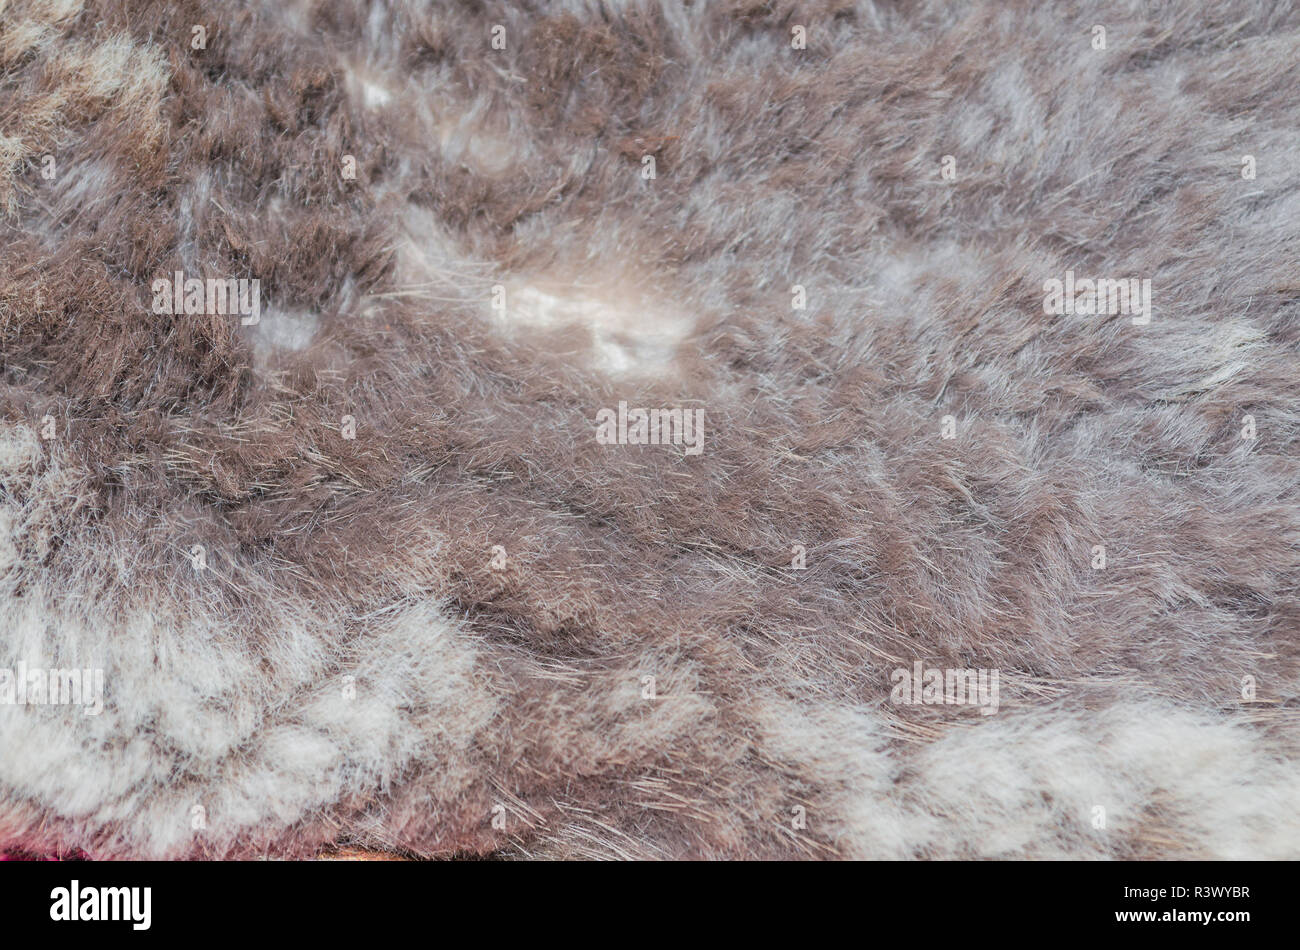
column 451, row 617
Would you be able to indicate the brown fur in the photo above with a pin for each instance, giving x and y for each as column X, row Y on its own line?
column 775, row 167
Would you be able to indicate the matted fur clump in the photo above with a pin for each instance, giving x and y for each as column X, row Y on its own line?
column 366, row 555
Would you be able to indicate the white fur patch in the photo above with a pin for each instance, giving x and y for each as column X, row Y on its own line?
column 630, row 334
